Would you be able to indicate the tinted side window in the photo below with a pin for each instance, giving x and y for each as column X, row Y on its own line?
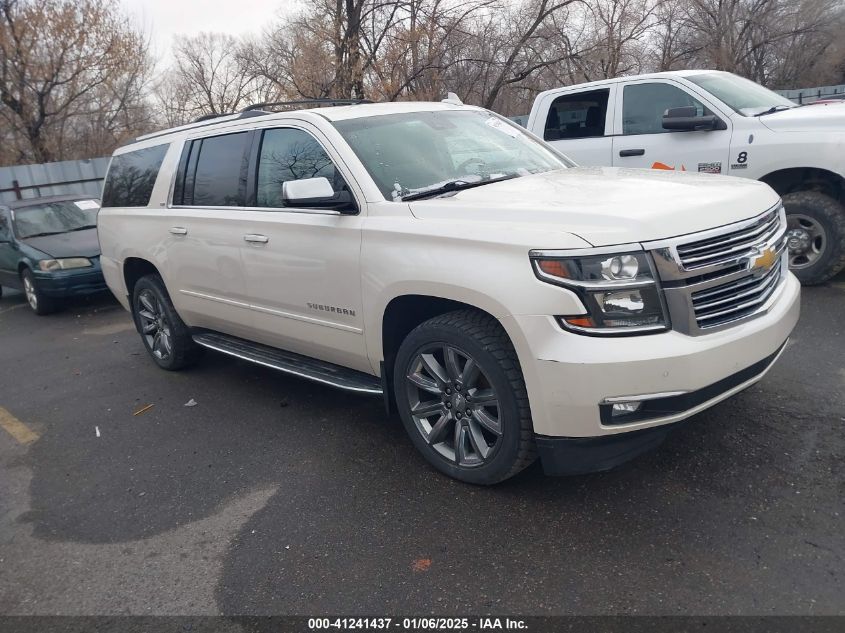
column 289, row 154
column 579, row 115
column 131, row 177
column 5, row 232
column 219, row 176
column 643, row 106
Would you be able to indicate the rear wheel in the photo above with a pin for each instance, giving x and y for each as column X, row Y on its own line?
column 462, row 398
column 166, row 337
column 40, row 303
column 815, row 236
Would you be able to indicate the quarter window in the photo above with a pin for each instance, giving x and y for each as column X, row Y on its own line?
column 131, row 176
column 579, row 115
column 643, row 106
column 217, row 174
column 291, row 154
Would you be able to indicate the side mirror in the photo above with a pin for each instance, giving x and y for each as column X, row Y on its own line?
column 685, row 119
column 316, row 193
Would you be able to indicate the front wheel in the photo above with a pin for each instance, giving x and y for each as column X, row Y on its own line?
column 815, row 236
column 166, row 337
column 462, row 398
column 40, row 303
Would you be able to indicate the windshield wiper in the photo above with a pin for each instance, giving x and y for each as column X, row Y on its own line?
column 774, row 109
column 82, row 228
column 453, row 185
column 26, row 237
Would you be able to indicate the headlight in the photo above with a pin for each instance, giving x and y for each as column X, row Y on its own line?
column 619, row 291
column 51, row 265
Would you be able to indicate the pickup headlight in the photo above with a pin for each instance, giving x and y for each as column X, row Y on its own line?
column 619, row 291
column 52, row 265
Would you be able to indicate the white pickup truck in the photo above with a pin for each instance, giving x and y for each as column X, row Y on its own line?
column 715, row 122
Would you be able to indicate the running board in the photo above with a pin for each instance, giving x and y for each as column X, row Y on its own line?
column 290, row 363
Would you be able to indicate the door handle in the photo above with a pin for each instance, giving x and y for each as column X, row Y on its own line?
column 631, row 152
column 256, row 239
column 178, row 230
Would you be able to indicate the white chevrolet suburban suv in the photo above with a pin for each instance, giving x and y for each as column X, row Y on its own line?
column 504, row 302
column 715, row 122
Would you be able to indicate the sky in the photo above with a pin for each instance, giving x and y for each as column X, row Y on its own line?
column 164, row 19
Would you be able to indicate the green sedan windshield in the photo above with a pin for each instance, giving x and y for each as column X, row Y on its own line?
column 55, row 217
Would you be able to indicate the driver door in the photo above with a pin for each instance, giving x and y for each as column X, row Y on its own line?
column 8, row 253
column 302, row 265
column 642, row 141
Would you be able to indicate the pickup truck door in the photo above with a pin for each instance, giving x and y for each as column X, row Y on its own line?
column 641, row 140
column 579, row 123
column 302, row 265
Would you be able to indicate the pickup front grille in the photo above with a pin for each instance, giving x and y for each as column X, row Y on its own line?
column 735, row 300
column 729, row 246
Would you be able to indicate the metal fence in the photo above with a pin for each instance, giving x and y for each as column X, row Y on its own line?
column 52, row 179
column 809, row 95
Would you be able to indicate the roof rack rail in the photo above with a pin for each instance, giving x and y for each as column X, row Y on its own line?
column 208, row 117
column 301, row 102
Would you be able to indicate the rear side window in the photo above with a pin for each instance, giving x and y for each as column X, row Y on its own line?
column 131, row 177
column 579, row 115
column 215, row 172
column 5, row 233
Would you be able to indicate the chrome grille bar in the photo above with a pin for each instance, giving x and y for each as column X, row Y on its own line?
column 729, row 246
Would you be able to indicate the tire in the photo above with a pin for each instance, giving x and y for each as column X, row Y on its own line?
column 165, row 336
column 505, row 428
column 815, row 235
column 40, row 303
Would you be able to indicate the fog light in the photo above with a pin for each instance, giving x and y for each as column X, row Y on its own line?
column 625, row 408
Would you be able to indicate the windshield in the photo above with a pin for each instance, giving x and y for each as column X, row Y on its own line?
column 742, row 95
column 416, row 151
column 55, row 217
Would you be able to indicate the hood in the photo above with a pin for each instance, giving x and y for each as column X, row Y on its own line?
column 821, row 116
column 607, row 205
column 75, row 244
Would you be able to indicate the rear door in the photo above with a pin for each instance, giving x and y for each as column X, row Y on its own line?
column 643, row 142
column 205, row 234
column 579, row 123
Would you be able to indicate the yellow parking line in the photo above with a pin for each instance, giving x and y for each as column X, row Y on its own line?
column 17, row 429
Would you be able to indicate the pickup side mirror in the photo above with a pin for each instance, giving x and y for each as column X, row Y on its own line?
column 686, row 119
column 316, row 193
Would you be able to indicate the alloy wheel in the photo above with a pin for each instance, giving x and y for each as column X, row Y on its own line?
column 155, row 327
column 29, row 291
column 806, row 240
column 454, row 405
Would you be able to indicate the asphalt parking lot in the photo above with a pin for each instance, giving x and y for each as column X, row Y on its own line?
column 278, row 496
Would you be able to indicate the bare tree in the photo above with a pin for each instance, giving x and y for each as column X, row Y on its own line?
column 71, row 76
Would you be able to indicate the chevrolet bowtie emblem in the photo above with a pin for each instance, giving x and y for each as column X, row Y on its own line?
column 762, row 262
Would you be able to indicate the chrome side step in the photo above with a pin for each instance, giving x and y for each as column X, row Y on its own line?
column 290, row 363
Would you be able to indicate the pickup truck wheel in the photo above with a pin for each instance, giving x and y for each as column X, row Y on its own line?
column 815, row 236
column 166, row 337
column 462, row 398
column 40, row 303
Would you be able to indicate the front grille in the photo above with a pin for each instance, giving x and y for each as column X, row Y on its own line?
column 736, row 299
column 729, row 246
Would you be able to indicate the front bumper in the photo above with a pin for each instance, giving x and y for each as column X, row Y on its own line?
column 569, row 376
column 71, row 283
column 579, row 455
